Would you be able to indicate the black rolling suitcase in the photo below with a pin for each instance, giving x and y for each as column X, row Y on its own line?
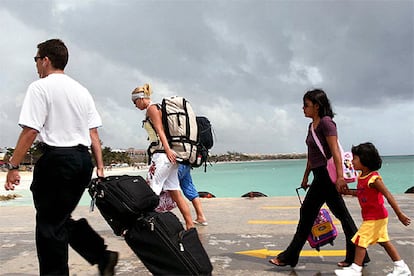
column 121, row 199
column 165, row 248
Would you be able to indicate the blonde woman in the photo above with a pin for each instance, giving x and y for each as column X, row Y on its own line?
column 163, row 171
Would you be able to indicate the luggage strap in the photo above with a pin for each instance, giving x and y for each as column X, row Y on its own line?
column 92, row 185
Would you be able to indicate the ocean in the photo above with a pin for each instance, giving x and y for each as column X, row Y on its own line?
column 273, row 178
column 282, row 177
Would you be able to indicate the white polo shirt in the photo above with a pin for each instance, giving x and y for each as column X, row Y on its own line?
column 61, row 109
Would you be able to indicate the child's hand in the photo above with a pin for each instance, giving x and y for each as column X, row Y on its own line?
column 404, row 219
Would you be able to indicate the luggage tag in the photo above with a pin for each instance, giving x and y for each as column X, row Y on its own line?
column 93, row 201
column 93, row 184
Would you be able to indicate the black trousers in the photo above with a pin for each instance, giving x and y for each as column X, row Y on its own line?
column 59, row 179
column 322, row 190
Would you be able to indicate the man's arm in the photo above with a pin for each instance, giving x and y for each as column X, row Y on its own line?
column 25, row 141
column 97, row 151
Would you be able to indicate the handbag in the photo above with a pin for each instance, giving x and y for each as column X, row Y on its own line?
column 349, row 173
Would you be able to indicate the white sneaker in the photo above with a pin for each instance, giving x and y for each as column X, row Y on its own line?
column 403, row 271
column 347, row 271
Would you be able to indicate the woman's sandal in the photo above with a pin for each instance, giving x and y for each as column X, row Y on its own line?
column 343, row 264
column 277, row 262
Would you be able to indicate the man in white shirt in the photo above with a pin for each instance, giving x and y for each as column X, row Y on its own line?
column 61, row 113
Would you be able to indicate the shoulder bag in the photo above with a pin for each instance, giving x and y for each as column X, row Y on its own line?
column 350, row 175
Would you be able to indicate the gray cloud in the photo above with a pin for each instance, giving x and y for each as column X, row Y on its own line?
column 244, row 64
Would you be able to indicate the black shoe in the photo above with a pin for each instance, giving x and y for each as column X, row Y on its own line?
column 107, row 265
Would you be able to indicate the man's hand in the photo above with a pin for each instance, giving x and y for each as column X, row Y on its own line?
column 13, row 179
column 100, row 172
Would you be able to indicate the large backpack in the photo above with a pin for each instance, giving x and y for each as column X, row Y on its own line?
column 190, row 136
column 204, row 141
column 180, row 127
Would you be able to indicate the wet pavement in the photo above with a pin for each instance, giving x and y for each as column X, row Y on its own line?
column 242, row 235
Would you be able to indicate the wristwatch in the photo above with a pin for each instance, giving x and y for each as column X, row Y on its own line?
column 10, row 166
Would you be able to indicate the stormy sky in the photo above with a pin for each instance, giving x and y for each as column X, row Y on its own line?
column 243, row 64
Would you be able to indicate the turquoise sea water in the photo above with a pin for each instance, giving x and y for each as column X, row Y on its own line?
column 273, row 178
column 282, row 177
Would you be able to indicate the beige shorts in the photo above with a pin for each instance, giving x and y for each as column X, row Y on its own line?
column 371, row 232
column 162, row 174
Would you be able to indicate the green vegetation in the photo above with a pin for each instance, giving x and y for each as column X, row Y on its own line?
column 237, row 156
column 109, row 156
column 114, row 157
column 133, row 157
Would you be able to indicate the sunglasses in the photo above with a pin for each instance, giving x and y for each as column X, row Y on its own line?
column 36, row 58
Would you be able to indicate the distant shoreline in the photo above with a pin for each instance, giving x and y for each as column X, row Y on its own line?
column 26, row 177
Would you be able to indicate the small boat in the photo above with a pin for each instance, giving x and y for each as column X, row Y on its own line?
column 254, row 194
column 206, row 195
column 410, row 190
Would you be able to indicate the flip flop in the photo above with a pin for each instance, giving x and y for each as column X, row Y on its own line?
column 277, row 262
column 343, row 264
column 200, row 223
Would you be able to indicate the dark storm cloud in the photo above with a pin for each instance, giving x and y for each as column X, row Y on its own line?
column 243, row 63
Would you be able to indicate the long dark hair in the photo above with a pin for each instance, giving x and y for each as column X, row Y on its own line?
column 318, row 96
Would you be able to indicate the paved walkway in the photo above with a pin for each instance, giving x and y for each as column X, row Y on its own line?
column 241, row 236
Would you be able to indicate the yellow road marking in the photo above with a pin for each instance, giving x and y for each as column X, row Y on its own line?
column 264, row 253
column 279, row 207
column 272, row 222
column 279, row 222
column 285, row 207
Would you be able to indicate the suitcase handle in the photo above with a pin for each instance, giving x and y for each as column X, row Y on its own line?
column 297, row 192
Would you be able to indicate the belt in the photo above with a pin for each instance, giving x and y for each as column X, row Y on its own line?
column 45, row 147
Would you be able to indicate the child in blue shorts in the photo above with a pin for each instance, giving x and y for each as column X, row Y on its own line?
column 190, row 192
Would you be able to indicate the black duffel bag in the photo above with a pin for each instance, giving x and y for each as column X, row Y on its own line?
column 121, row 199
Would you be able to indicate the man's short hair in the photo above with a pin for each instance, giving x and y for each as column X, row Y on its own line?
column 56, row 51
